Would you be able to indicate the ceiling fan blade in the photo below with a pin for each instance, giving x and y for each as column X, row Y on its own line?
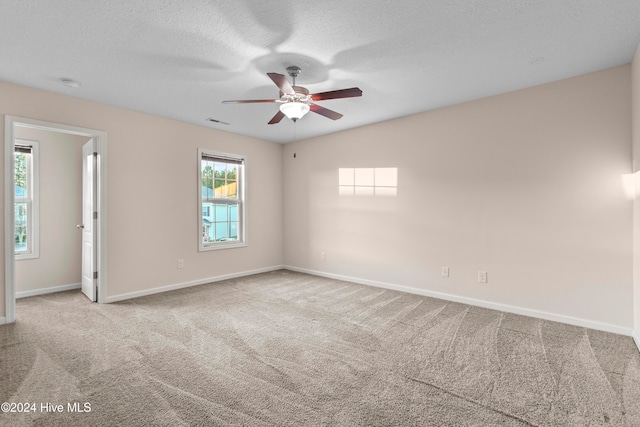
column 276, row 119
column 325, row 112
column 281, row 81
column 334, row 94
column 248, row 101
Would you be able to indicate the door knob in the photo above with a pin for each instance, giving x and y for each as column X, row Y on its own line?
column 79, row 226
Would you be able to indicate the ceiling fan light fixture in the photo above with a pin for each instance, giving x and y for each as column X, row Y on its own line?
column 294, row 110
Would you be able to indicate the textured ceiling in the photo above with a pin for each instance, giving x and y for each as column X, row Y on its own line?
column 181, row 58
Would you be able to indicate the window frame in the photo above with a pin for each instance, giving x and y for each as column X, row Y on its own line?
column 241, row 201
column 32, row 201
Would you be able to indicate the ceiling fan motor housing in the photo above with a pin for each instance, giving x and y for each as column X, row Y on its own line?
column 300, row 89
column 294, row 71
column 301, row 95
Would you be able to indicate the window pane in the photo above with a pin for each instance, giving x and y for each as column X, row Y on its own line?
column 207, row 180
column 232, row 173
column 21, row 178
column 207, row 232
column 207, row 211
column 221, row 231
column 21, row 191
column 232, row 189
column 233, row 212
column 220, row 169
column 233, row 231
column 21, row 215
column 207, row 191
column 221, row 212
column 219, row 175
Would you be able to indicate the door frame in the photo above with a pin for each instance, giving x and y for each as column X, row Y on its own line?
column 89, row 222
column 9, row 203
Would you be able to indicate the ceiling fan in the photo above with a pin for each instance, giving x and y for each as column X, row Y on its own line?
column 295, row 101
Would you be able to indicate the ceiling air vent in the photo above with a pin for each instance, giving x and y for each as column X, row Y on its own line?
column 212, row 120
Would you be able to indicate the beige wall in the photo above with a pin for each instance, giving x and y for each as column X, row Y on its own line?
column 525, row 185
column 152, row 194
column 635, row 67
column 60, row 210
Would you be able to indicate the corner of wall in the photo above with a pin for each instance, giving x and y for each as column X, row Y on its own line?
column 635, row 147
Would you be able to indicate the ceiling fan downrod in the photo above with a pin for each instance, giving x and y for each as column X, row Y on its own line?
column 294, row 71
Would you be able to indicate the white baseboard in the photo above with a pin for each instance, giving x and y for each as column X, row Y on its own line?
column 71, row 286
column 130, row 295
column 636, row 338
column 607, row 327
column 3, row 320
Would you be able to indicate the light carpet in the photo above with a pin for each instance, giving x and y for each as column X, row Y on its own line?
column 290, row 349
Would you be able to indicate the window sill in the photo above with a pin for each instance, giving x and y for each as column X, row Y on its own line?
column 219, row 246
column 23, row 257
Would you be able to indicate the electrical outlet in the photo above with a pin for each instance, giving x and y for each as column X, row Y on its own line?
column 323, row 256
column 180, row 263
column 482, row 277
column 445, row 271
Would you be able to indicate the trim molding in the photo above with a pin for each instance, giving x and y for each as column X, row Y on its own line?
column 636, row 338
column 130, row 295
column 607, row 327
column 50, row 290
column 2, row 321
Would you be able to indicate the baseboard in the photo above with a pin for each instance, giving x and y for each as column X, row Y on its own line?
column 50, row 290
column 636, row 338
column 607, row 327
column 3, row 320
column 130, row 295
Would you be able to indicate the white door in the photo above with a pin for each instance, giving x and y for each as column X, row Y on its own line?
column 89, row 220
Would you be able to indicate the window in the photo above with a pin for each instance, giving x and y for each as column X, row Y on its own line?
column 221, row 198
column 26, row 199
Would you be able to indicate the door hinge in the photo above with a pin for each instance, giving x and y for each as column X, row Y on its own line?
column 95, row 215
column 95, row 155
column 95, row 274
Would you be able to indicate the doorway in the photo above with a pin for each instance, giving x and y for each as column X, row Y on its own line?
column 98, row 171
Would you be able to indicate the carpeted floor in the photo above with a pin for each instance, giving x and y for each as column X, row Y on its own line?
column 290, row 349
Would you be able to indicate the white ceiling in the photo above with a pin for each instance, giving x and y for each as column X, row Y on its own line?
column 181, row 58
